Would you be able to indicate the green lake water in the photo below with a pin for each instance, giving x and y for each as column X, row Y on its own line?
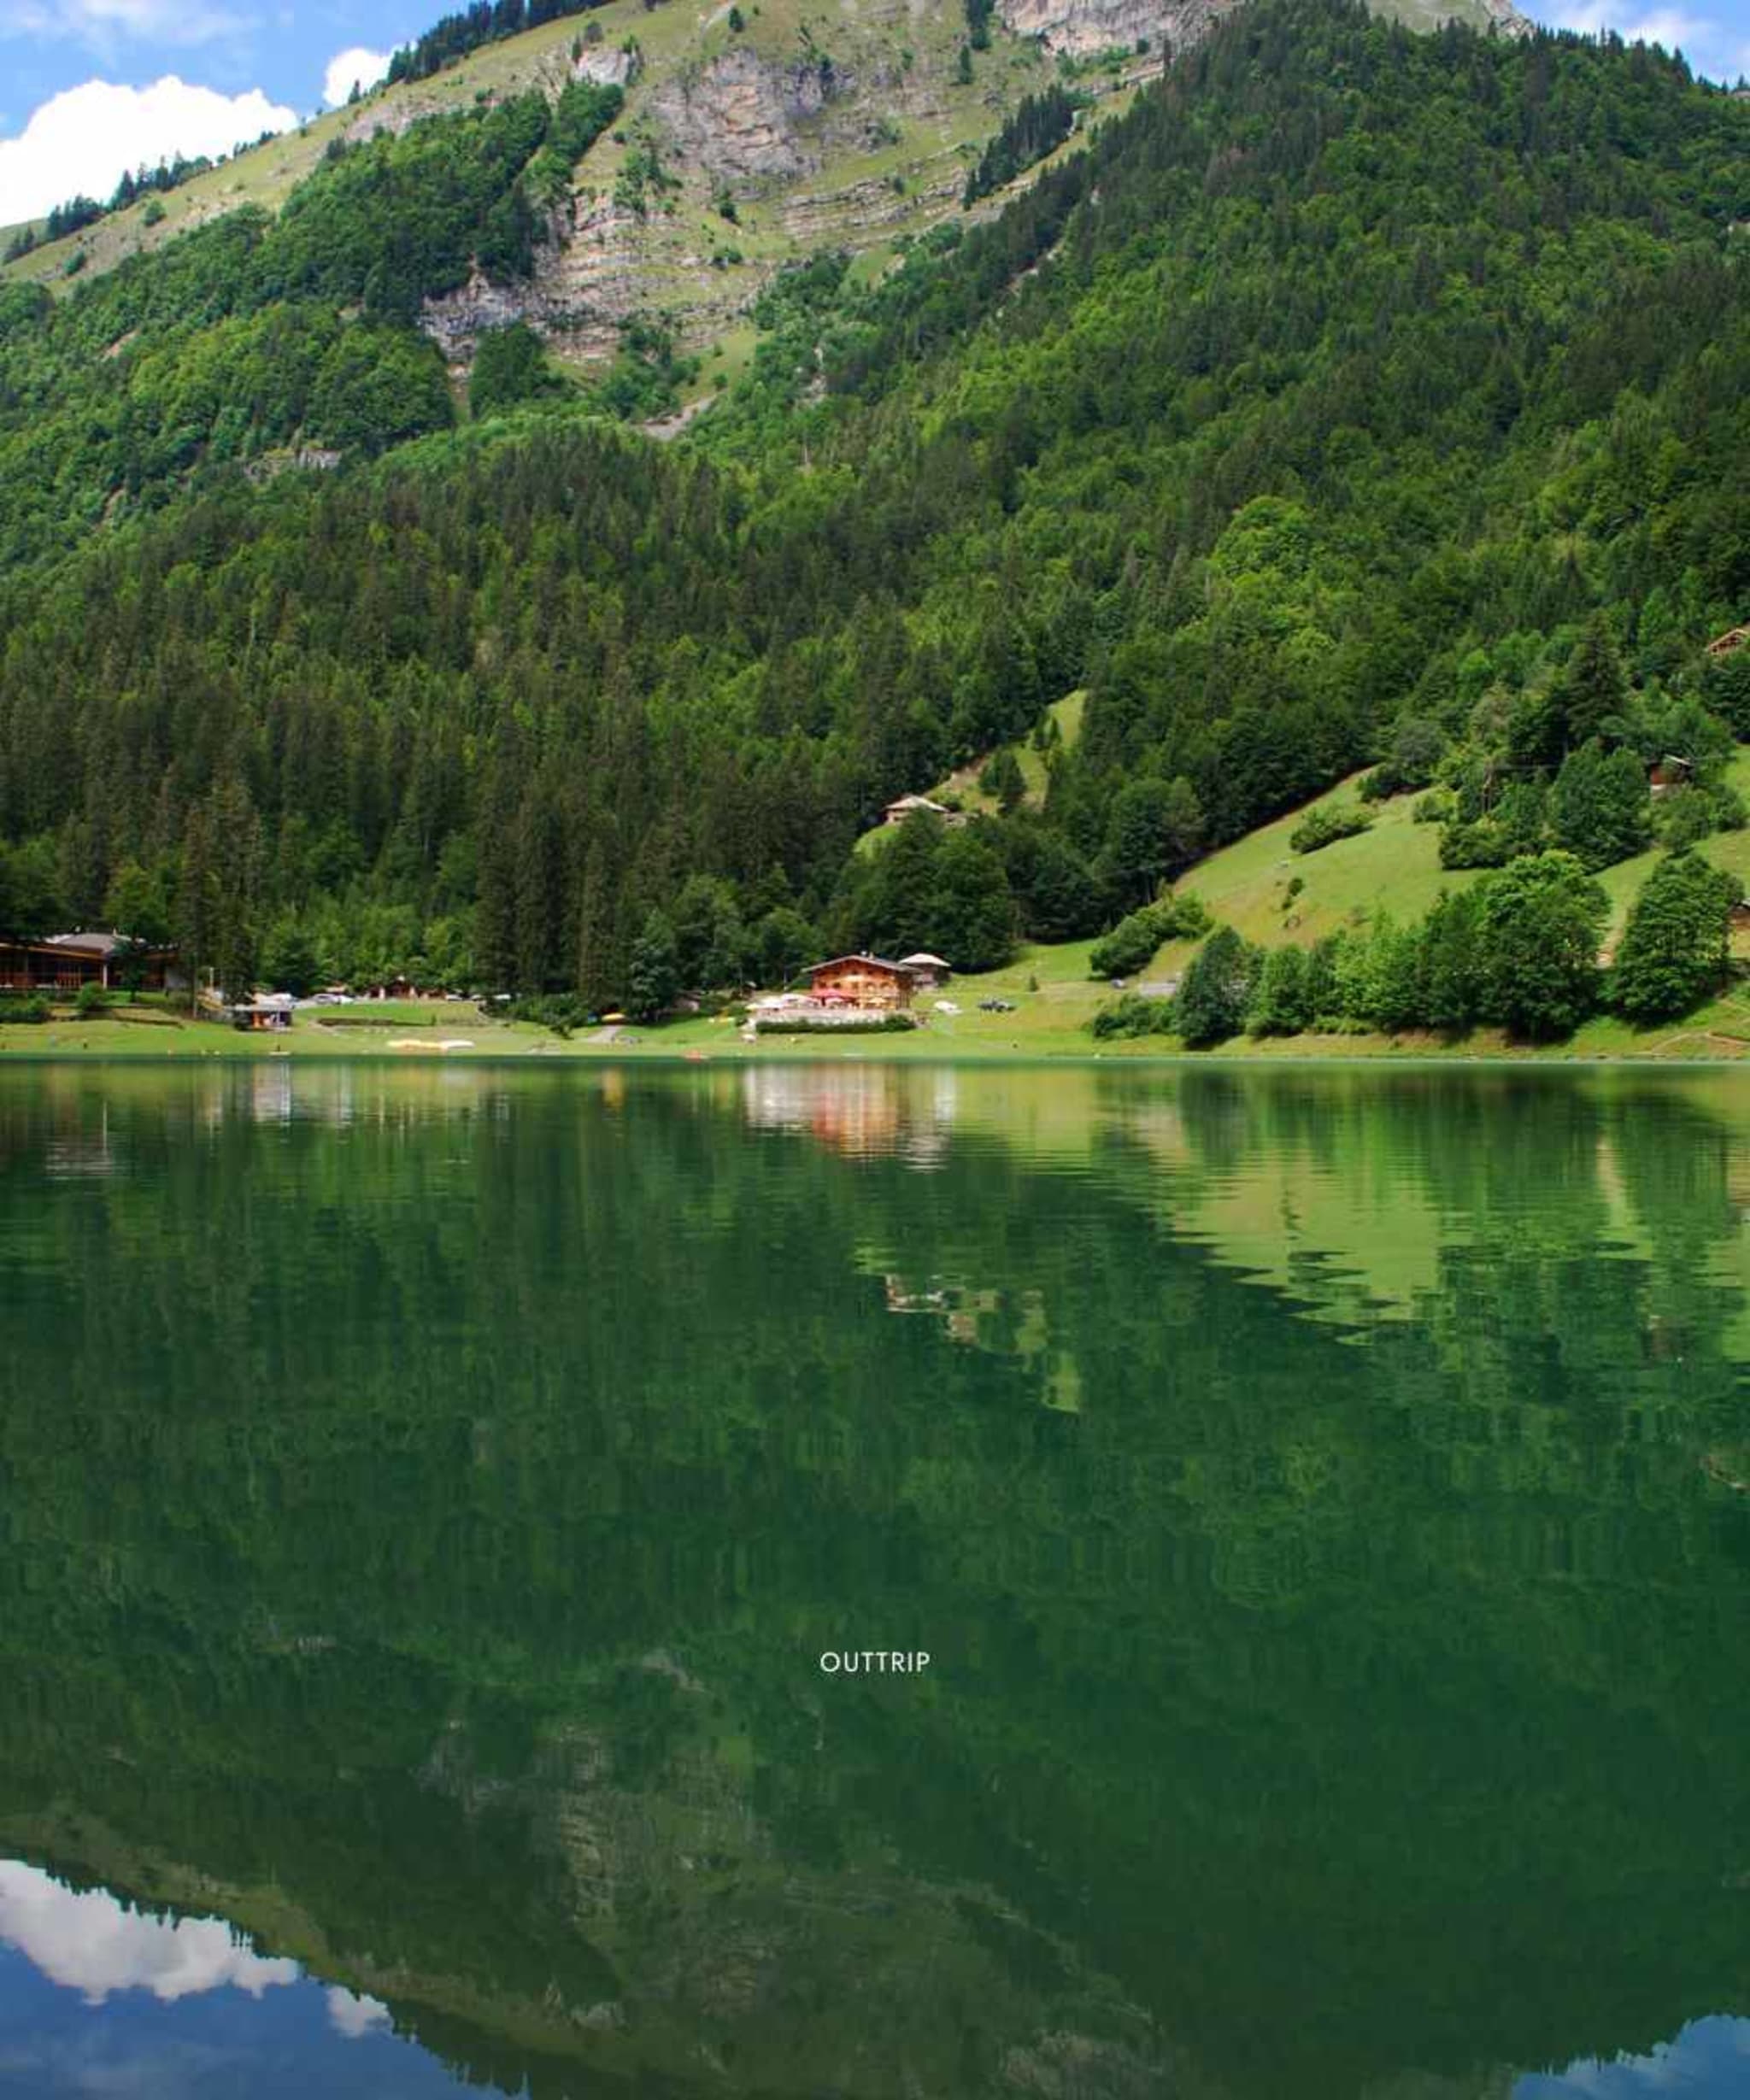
column 427, row 1498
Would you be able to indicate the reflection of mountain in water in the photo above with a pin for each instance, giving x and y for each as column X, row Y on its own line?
column 424, row 1519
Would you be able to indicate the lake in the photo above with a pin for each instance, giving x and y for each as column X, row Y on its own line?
column 427, row 1496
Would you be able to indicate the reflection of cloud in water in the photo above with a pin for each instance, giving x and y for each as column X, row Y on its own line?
column 91, row 1943
column 1710, row 2060
column 354, row 2017
column 98, row 2065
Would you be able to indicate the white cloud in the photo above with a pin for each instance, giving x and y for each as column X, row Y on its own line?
column 91, row 1943
column 356, row 67
column 354, row 2017
column 103, row 23
column 84, row 138
column 1713, row 47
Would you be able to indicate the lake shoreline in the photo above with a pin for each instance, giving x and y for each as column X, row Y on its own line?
column 1278, row 1052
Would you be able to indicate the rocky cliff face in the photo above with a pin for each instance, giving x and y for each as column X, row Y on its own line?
column 737, row 152
column 740, row 150
column 747, row 121
column 1081, row 27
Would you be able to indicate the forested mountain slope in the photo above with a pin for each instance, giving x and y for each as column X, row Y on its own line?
column 1334, row 389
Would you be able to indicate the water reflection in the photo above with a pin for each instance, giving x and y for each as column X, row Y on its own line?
column 1709, row 2060
column 427, row 1494
column 861, row 1111
column 89, row 1943
column 98, row 1996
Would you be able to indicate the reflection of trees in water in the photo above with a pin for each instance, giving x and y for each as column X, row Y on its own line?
column 1351, row 1708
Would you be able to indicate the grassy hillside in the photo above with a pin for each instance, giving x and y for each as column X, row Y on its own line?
column 1395, row 866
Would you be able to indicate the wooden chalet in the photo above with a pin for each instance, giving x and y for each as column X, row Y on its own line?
column 927, row 971
column 1729, row 643
column 60, row 965
column 268, row 1014
column 1669, row 772
column 868, row 983
column 913, row 806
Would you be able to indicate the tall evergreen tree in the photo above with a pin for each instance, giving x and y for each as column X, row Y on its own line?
column 1594, row 692
column 1599, row 808
column 1673, row 950
column 973, row 915
column 1213, row 1000
column 653, row 975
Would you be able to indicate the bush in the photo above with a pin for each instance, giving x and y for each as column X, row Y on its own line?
column 1132, row 1014
column 1127, row 946
column 32, row 1010
column 1416, row 752
column 1325, row 826
column 561, row 1012
column 1688, row 815
column 1136, row 938
column 1480, row 845
column 93, row 1002
column 1283, row 1003
column 510, row 368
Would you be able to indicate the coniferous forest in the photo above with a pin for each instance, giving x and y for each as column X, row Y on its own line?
column 1358, row 399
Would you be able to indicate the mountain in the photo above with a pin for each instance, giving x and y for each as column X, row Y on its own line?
column 1315, row 410
column 853, row 126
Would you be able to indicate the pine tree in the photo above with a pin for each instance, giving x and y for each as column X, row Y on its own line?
column 901, row 896
column 598, row 971
column 540, row 891
column 197, row 901
column 1594, row 693
column 1673, row 951
column 1280, row 1006
column 1213, row 1000
column 652, row 978
column 1003, row 780
column 1599, row 808
column 973, row 917
column 232, row 847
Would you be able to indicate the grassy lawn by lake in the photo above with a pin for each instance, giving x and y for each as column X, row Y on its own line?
column 1052, row 997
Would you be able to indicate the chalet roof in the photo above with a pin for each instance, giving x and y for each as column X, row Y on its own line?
column 103, row 943
column 917, row 801
column 921, row 961
column 1733, row 638
column 90, row 943
column 876, row 962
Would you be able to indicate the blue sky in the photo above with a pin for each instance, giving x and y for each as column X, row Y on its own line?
column 88, row 87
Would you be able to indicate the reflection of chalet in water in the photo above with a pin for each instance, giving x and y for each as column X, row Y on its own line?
column 868, row 983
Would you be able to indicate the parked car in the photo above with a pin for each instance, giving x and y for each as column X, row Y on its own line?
column 996, row 1006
